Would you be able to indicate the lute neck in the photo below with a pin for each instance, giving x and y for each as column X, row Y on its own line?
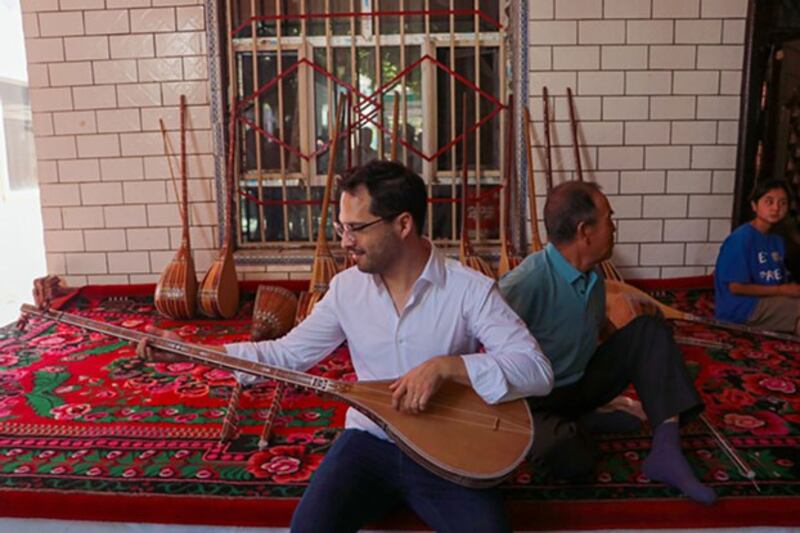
column 192, row 351
column 184, row 185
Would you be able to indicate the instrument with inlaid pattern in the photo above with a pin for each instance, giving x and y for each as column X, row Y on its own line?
column 219, row 290
column 458, row 437
column 324, row 267
column 176, row 291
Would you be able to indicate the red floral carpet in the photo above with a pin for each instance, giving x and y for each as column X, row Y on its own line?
column 88, row 431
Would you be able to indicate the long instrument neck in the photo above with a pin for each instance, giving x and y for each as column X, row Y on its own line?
column 536, row 243
column 184, row 185
column 548, row 148
column 395, row 126
column 232, row 170
column 505, row 198
column 466, row 247
column 192, row 351
column 229, row 180
column 573, row 122
column 322, row 241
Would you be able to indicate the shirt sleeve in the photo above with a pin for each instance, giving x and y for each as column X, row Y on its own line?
column 733, row 261
column 519, row 291
column 513, row 365
column 304, row 346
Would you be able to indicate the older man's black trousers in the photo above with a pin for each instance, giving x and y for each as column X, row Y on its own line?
column 643, row 353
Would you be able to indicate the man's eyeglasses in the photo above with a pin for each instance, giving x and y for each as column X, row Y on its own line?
column 352, row 229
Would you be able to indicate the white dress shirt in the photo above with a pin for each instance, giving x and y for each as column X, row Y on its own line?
column 452, row 309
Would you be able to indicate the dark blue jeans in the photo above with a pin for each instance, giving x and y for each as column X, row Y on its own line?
column 363, row 477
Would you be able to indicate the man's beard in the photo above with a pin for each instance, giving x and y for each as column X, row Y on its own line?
column 376, row 260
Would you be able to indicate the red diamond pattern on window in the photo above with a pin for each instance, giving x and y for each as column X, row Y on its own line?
column 376, row 98
column 247, row 102
column 368, row 107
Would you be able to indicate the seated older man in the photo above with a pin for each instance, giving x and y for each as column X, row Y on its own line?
column 560, row 296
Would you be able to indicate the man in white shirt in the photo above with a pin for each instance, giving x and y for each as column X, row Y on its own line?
column 410, row 314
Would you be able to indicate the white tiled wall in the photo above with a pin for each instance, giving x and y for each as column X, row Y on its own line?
column 657, row 86
column 102, row 73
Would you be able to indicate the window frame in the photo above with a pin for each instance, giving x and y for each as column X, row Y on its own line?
column 429, row 44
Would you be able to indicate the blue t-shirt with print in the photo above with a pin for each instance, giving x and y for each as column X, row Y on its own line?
column 750, row 257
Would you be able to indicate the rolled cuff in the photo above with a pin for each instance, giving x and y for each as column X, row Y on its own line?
column 486, row 377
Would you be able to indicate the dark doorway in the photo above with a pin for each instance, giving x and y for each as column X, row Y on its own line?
column 769, row 135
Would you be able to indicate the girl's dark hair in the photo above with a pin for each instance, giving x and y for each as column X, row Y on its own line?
column 764, row 187
column 393, row 188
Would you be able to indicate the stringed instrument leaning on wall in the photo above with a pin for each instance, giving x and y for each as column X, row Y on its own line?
column 536, row 240
column 467, row 255
column 176, row 291
column 324, row 267
column 509, row 258
column 219, row 290
column 459, row 437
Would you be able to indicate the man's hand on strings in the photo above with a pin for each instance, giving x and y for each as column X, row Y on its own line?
column 412, row 392
column 154, row 355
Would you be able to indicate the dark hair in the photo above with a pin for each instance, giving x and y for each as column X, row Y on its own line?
column 762, row 188
column 394, row 189
column 568, row 205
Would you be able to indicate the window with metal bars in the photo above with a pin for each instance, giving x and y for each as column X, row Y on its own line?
column 289, row 62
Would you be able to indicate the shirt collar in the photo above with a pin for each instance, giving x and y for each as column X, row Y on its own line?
column 566, row 270
column 434, row 272
column 562, row 266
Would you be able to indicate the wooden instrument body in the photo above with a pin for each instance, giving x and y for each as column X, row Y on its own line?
column 219, row 291
column 509, row 260
column 323, row 269
column 478, row 263
column 176, row 291
column 458, row 437
column 274, row 312
column 305, row 304
column 618, row 307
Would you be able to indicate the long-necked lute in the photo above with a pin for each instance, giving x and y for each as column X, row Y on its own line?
column 509, row 258
column 176, row 290
column 458, row 437
column 467, row 254
column 219, row 291
column 324, row 266
column 536, row 239
column 614, row 287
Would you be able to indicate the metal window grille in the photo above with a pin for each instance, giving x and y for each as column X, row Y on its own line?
column 288, row 62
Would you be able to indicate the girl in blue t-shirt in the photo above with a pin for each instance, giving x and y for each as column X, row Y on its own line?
column 751, row 283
